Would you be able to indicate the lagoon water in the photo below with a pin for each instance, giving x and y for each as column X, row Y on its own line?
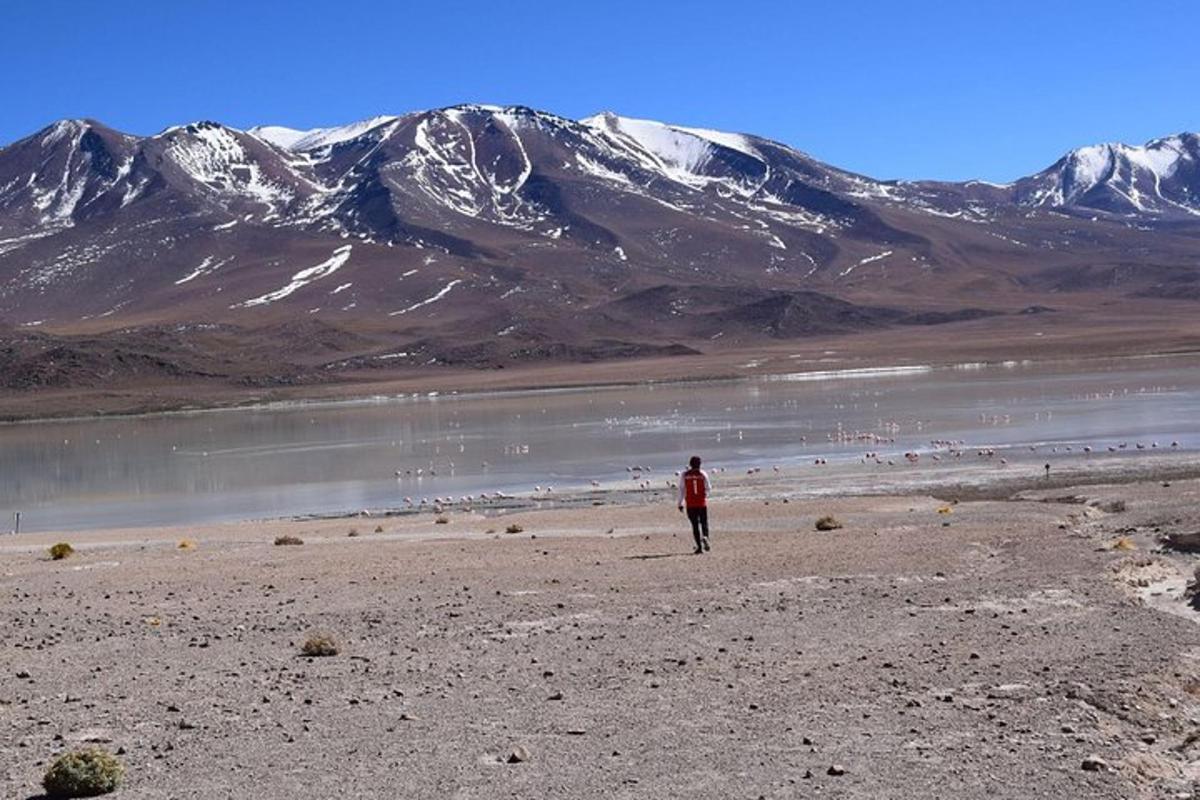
column 301, row 459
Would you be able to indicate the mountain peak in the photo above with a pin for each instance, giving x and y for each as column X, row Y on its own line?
column 1156, row 178
column 316, row 138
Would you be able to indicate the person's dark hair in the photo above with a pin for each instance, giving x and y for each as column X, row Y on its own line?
column 694, row 462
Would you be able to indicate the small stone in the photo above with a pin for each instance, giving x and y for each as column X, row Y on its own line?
column 1095, row 764
column 555, row 696
column 518, row 755
column 836, row 769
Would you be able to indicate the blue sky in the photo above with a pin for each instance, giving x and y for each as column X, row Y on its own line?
column 950, row 90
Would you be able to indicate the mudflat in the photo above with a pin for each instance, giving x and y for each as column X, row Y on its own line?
column 1026, row 643
column 1072, row 334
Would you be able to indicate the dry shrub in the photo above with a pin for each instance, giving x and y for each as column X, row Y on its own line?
column 353, row 532
column 379, row 529
column 60, row 551
column 1192, row 592
column 828, row 523
column 288, row 540
column 1124, row 543
column 442, row 521
column 514, row 528
column 319, row 645
column 83, row 773
column 186, row 544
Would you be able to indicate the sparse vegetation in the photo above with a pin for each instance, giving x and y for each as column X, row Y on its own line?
column 514, row 528
column 60, row 551
column 1192, row 592
column 83, row 773
column 441, row 521
column 187, row 544
column 288, row 540
column 319, row 645
column 1124, row 543
column 828, row 523
column 353, row 532
column 379, row 529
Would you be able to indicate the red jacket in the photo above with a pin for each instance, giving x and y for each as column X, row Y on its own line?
column 694, row 489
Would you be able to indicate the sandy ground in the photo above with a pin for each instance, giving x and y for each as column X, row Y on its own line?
column 928, row 649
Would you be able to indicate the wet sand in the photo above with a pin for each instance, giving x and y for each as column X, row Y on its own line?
column 928, row 648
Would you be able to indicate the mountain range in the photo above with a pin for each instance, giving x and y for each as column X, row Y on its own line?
column 485, row 236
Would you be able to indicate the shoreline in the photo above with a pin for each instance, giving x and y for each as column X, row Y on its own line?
column 855, row 352
column 974, row 482
column 353, row 400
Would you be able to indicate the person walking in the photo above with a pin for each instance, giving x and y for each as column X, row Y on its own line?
column 694, row 489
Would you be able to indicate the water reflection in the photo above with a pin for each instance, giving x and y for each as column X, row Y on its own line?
column 271, row 462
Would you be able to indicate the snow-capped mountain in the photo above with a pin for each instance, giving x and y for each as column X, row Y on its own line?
column 1161, row 178
column 481, row 233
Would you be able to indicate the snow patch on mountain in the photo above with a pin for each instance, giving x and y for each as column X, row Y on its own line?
column 683, row 155
column 214, row 157
column 302, row 278
column 433, row 299
column 317, row 138
column 1135, row 177
column 209, row 264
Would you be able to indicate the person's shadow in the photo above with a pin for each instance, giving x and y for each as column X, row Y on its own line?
column 646, row 557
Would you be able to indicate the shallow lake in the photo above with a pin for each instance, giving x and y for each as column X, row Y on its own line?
column 270, row 462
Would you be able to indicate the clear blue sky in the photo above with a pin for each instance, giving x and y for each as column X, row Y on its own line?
column 953, row 89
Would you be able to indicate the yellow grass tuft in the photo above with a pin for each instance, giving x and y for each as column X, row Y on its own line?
column 319, row 645
column 83, row 773
column 60, row 551
column 828, row 523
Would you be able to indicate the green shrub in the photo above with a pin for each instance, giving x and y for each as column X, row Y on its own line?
column 828, row 523
column 83, row 773
column 61, row 550
column 284, row 540
column 318, row 645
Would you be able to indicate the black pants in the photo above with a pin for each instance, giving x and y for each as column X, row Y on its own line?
column 699, row 519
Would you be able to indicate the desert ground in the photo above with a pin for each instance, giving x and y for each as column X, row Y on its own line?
column 1022, row 641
